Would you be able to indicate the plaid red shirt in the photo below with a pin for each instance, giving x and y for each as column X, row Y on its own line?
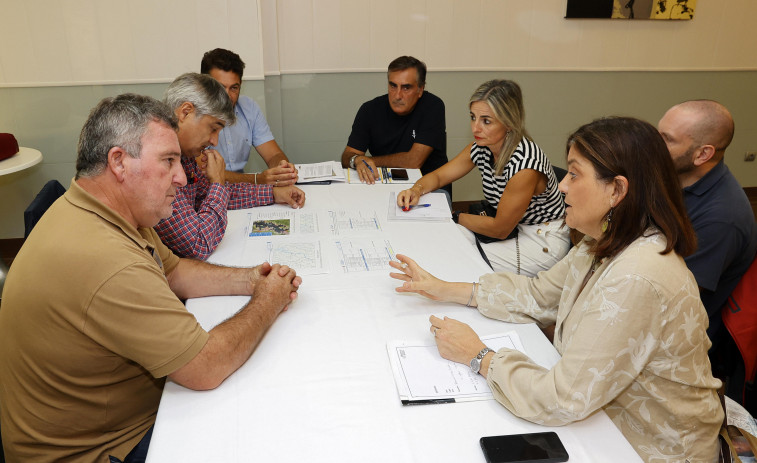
column 199, row 211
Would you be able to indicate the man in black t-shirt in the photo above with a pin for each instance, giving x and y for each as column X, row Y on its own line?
column 404, row 128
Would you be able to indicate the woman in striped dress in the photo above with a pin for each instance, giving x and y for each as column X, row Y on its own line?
column 518, row 181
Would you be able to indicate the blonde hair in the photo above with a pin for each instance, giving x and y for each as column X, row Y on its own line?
column 506, row 101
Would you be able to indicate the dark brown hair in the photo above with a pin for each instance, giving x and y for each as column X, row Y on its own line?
column 225, row 60
column 635, row 150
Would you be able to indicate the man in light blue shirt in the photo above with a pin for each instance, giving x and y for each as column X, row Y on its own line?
column 251, row 128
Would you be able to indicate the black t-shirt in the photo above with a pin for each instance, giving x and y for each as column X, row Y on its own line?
column 379, row 130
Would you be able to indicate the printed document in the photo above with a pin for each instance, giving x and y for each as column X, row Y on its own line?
column 344, row 221
column 317, row 241
column 423, row 376
column 328, row 171
column 303, row 255
column 364, row 255
column 267, row 222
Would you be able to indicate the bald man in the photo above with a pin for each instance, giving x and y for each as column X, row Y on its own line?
column 697, row 134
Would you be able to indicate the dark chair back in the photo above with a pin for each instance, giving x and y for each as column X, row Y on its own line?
column 560, row 173
column 46, row 197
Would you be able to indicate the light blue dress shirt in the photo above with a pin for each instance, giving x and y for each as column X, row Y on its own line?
column 251, row 129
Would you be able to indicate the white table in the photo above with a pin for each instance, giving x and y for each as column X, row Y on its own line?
column 25, row 158
column 319, row 388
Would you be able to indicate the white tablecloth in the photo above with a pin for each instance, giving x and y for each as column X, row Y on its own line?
column 319, row 387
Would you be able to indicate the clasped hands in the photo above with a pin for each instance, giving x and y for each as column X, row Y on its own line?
column 211, row 163
column 277, row 284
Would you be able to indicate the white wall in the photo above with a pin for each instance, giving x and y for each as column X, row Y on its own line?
column 74, row 42
column 364, row 35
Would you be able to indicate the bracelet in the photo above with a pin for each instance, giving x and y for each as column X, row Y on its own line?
column 472, row 293
column 415, row 185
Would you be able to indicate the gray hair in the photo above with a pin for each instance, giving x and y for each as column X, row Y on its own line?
column 208, row 97
column 118, row 121
column 506, row 101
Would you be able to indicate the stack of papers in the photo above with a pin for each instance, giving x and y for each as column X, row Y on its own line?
column 431, row 207
column 424, row 377
column 320, row 172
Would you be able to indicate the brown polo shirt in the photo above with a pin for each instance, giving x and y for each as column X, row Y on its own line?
column 89, row 328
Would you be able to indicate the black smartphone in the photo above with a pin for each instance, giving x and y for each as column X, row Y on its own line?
column 399, row 174
column 540, row 447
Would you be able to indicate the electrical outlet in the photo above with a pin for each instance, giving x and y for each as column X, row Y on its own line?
column 749, row 156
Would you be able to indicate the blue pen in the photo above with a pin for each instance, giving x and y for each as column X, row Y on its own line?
column 413, row 207
column 367, row 165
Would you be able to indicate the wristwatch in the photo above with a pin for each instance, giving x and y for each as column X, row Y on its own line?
column 456, row 216
column 475, row 364
column 352, row 161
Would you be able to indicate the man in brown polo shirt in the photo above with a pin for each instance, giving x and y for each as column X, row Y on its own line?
column 92, row 322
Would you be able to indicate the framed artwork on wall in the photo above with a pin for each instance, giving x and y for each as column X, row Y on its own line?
column 631, row 9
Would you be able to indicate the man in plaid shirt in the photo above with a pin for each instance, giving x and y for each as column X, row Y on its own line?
column 199, row 219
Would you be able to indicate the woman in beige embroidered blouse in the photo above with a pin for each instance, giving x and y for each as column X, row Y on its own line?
column 629, row 323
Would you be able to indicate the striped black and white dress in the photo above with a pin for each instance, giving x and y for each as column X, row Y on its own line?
column 545, row 207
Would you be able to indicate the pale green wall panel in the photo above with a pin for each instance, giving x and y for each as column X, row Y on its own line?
column 319, row 108
column 49, row 119
column 311, row 116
